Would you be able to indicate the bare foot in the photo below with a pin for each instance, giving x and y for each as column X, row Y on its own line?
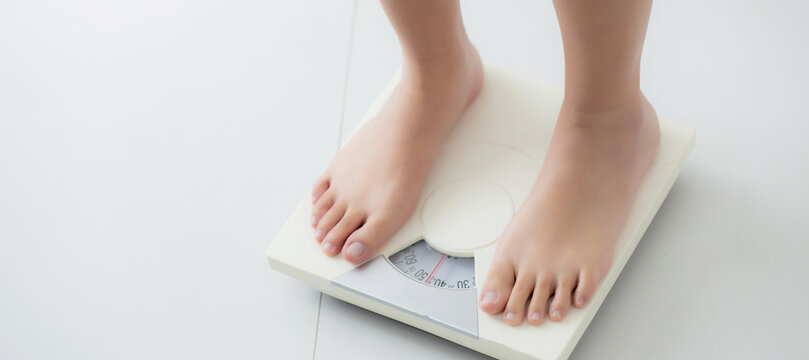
column 561, row 241
column 373, row 184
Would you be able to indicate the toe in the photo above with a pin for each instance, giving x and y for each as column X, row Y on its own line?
column 320, row 187
column 322, row 206
column 327, row 222
column 523, row 287
column 539, row 300
column 496, row 290
column 336, row 237
column 561, row 298
column 585, row 288
column 366, row 241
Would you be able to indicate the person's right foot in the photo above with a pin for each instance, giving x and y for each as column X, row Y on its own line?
column 374, row 182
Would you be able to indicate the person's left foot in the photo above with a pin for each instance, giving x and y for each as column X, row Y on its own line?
column 560, row 243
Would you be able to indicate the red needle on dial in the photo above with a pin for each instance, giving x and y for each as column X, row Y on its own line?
column 436, row 268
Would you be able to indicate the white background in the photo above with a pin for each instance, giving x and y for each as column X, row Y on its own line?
column 149, row 151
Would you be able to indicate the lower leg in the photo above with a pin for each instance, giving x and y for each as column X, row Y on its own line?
column 561, row 241
column 431, row 33
column 436, row 52
column 603, row 41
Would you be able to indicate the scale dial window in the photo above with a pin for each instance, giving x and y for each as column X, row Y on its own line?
column 423, row 264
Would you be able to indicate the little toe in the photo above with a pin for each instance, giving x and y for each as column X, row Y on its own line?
column 539, row 300
column 515, row 308
column 497, row 289
column 366, row 241
column 336, row 237
column 320, row 187
column 322, row 206
column 561, row 297
column 585, row 288
column 327, row 222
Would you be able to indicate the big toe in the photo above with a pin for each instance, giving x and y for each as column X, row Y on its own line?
column 496, row 290
column 336, row 237
column 366, row 241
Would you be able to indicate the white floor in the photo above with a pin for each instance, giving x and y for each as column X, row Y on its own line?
column 150, row 150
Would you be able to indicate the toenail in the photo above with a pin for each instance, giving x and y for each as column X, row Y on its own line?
column 580, row 301
column 355, row 249
column 319, row 234
column 535, row 316
column 489, row 297
column 327, row 246
column 556, row 314
column 314, row 220
column 511, row 316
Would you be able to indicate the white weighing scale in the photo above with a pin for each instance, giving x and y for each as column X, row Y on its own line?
column 430, row 272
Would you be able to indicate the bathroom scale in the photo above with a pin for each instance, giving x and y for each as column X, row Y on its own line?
column 430, row 272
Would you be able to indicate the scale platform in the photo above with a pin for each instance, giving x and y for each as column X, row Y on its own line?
column 430, row 273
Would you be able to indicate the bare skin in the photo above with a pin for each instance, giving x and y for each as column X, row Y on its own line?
column 372, row 185
column 559, row 245
column 561, row 241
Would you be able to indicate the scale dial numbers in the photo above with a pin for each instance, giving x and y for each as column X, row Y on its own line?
column 423, row 264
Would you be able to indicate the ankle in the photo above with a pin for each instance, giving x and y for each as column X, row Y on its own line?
column 627, row 109
column 603, row 98
column 448, row 65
